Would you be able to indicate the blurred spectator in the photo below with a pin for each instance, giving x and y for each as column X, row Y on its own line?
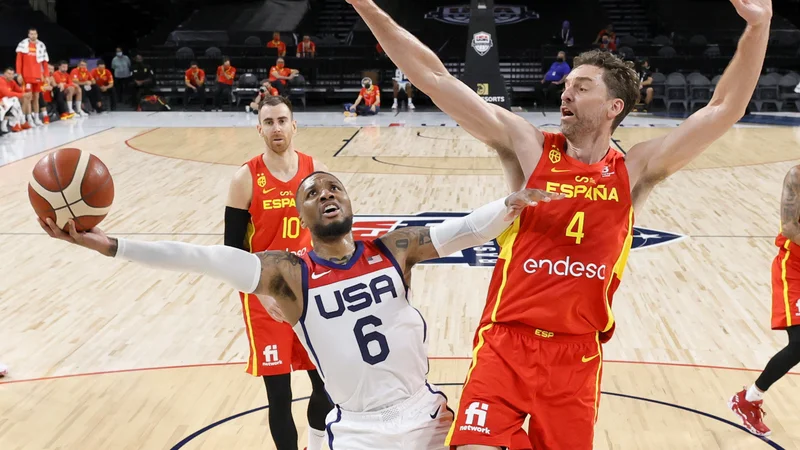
column 71, row 92
column 195, row 80
column 277, row 43
column 52, row 94
column 306, row 48
column 104, row 82
column 645, row 85
column 225, row 76
column 121, row 65
column 566, row 34
column 607, row 38
column 32, row 61
column 17, row 84
column 82, row 78
column 14, row 99
column 370, row 95
column 553, row 81
column 10, row 104
column 143, row 80
column 279, row 75
column 401, row 82
column 266, row 90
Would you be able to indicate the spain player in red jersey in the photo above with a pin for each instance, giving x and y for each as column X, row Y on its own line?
column 747, row 404
column 538, row 347
column 261, row 215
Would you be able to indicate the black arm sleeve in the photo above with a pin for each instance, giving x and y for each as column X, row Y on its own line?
column 236, row 221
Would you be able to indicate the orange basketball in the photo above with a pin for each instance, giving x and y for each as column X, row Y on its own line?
column 71, row 184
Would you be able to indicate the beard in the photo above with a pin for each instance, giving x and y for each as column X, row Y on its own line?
column 332, row 230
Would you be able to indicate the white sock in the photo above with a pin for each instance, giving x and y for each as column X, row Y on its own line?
column 4, row 125
column 77, row 106
column 753, row 394
column 69, row 108
column 43, row 114
column 315, row 439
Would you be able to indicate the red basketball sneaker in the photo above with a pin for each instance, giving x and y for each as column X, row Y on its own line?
column 750, row 413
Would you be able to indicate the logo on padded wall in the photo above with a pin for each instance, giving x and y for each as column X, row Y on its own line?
column 370, row 227
column 482, row 42
column 461, row 14
column 483, row 89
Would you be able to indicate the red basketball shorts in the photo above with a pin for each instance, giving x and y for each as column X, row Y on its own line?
column 520, row 371
column 33, row 86
column 274, row 346
column 786, row 287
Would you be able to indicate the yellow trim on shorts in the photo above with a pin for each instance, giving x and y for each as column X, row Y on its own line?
column 506, row 241
column 597, row 382
column 251, row 231
column 786, row 285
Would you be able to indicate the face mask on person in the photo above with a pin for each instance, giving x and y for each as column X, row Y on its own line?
column 119, row 53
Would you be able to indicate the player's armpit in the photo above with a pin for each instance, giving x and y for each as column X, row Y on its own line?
column 282, row 279
column 790, row 206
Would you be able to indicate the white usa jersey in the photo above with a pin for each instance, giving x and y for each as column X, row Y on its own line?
column 368, row 343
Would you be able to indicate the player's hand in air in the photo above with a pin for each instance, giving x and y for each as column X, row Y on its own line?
column 271, row 305
column 520, row 200
column 755, row 12
column 93, row 239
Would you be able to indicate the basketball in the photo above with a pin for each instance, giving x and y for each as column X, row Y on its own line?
column 71, row 184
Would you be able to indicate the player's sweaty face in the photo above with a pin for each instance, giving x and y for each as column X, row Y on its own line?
column 326, row 208
column 277, row 127
column 584, row 102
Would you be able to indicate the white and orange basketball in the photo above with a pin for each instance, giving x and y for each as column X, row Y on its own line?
column 71, row 184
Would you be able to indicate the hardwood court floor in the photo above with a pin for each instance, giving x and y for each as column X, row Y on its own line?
column 703, row 300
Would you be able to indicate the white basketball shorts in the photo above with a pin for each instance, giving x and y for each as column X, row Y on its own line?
column 420, row 423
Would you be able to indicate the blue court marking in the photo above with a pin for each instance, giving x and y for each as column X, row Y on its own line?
column 772, row 444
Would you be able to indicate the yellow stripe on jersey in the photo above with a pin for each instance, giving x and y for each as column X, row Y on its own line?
column 786, row 285
column 506, row 241
column 619, row 269
column 251, row 231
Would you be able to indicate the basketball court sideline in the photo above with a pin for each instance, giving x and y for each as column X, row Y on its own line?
column 108, row 354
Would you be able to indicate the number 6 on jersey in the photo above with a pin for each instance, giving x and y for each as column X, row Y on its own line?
column 575, row 228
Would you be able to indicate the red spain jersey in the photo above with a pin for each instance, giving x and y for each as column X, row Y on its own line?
column 81, row 75
column 274, row 220
column 561, row 262
column 369, row 95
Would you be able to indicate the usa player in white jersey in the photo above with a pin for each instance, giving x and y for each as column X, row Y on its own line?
column 347, row 301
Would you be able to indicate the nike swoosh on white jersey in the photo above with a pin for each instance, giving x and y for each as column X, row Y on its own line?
column 314, row 276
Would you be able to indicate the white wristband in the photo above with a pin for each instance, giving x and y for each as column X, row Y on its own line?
column 238, row 268
column 477, row 228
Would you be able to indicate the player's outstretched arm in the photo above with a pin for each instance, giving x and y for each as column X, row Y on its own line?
column 412, row 245
column 500, row 129
column 269, row 273
column 790, row 206
column 652, row 161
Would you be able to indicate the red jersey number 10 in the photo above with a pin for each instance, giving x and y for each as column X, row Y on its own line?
column 291, row 227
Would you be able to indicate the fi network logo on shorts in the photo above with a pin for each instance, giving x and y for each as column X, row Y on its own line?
column 271, row 356
column 476, row 414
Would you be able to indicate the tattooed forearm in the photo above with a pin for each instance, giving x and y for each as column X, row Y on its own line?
column 790, row 205
column 412, row 245
column 273, row 258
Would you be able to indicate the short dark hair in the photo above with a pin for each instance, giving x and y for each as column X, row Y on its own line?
column 32, row 29
column 619, row 76
column 275, row 101
column 7, row 69
column 226, row 58
column 82, row 61
column 193, row 63
column 316, row 172
column 100, row 61
column 62, row 62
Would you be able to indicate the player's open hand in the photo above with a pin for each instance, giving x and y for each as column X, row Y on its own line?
column 755, row 12
column 93, row 239
column 271, row 305
column 520, row 200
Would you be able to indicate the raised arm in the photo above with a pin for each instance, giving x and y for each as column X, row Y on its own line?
column 412, row 245
column 273, row 273
column 493, row 125
column 790, row 206
column 652, row 161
